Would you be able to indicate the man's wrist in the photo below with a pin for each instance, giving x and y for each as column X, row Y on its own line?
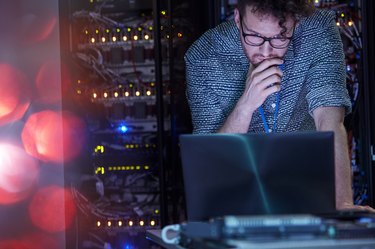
column 244, row 109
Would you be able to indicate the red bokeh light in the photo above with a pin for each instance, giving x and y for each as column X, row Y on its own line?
column 38, row 26
column 11, row 198
column 14, row 94
column 31, row 241
column 28, row 22
column 52, row 209
column 18, row 174
column 13, row 244
column 54, row 136
column 52, row 82
column 41, row 241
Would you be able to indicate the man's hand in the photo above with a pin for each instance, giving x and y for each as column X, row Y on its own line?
column 260, row 83
column 351, row 207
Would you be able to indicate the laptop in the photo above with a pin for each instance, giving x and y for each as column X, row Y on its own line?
column 257, row 174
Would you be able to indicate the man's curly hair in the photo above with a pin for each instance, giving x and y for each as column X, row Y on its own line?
column 281, row 9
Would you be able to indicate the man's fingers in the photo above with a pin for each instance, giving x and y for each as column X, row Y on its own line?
column 272, row 89
column 267, row 63
column 369, row 209
column 263, row 75
column 357, row 208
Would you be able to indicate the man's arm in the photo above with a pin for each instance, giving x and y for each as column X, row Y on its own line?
column 238, row 120
column 332, row 119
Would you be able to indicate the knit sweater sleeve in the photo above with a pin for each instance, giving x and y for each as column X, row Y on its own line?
column 326, row 78
column 207, row 116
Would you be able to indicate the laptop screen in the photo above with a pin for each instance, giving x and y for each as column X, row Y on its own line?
column 249, row 174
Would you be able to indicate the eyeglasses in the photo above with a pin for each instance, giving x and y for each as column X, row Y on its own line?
column 258, row 40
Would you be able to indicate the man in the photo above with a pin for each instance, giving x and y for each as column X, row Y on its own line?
column 278, row 67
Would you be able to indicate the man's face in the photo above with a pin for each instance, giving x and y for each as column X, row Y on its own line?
column 266, row 26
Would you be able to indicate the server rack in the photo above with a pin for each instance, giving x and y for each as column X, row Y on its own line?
column 126, row 61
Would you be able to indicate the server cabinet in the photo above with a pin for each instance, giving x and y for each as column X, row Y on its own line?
column 126, row 63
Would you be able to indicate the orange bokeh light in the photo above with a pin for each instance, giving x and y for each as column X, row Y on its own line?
column 52, row 209
column 52, row 82
column 18, row 174
column 54, row 136
column 14, row 94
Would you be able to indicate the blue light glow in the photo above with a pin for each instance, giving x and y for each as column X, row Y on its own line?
column 123, row 128
column 127, row 246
